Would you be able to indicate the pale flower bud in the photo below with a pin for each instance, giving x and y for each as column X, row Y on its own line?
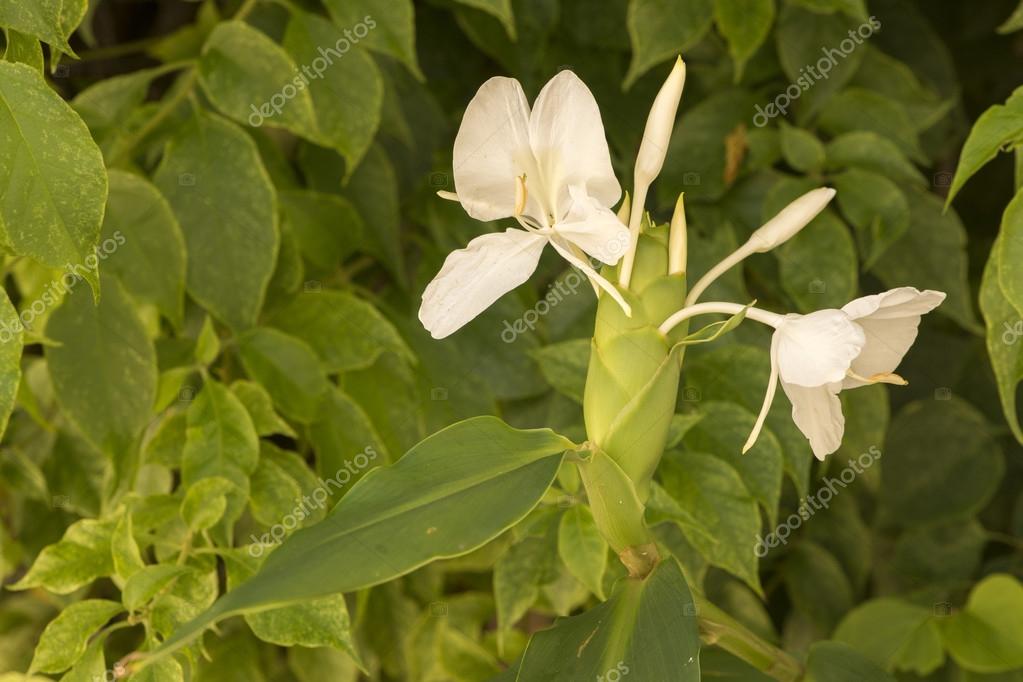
column 790, row 220
column 659, row 125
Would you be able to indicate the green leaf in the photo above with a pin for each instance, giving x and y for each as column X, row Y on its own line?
column 124, row 549
column 745, row 24
column 985, row 636
column 214, row 180
column 205, row 502
column 1010, row 251
column 220, row 441
column 40, row 18
column 940, row 463
column 876, row 207
column 1014, row 22
column 564, row 366
column 801, row 148
column 259, row 405
column 207, row 346
column 11, row 340
column 104, row 371
column 81, row 556
column 105, row 105
column 869, row 151
column 836, row 662
column 53, row 213
column 326, row 227
column 373, row 189
column 1004, row 336
column 502, row 9
column 275, row 495
column 91, row 666
column 895, row 635
column 818, row 587
column 345, row 331
column 287, row 367
column 253, row 80
column 24, row 49
column 647, row 630
column 344, row 122
column 860, row 109
column 818, row 267
column 939, row 554
column 660, row 29
column 853, row 8
column 145, row 584
column 341, row 431
column 582, row 548
column 385, row 28
column 64, row 640
column 164, row 670
column 518, row 576
column 145, row 247
column 1000, row 127
column 448, row 495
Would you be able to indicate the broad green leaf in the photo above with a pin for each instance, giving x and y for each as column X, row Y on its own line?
column 535, row 25
column 11, row 339
column 1004, row 337
column 205, row 502
column 647, row 630
column 92, row 666
column 869, row 151
column 564, row 366
column 312, row 665
column 986, row 635
column 582, row 548
column 818, row 267
column 81, row 556
column 1010, row 250
column 450, row 494
column 939, row 554
column 164, row 670
column 57, row 184
column 164, row 444
column 145, row 245
column 712, row 491
column 502, row 9
column 326, row 227
column 24, row 49
column 104, row 371
column 106, row 104
column 519, row 574
column 253, row 80
column 220, row 441
column 64, row 640
column 124, row 549
column 876, row 207
column 214, row 180
column 1000, row 127
column 276, row 495
column 660, row 29
column 191, row 593
column 801, row 148
column 146, row 583
column 207, row 346
column 837, row 662
column 893, row 78
column 745, row 24
column 937, row 241
column 385, row 28
column 345, row 331
column 860, row 109
column 388, row 395
column 345, row 121
column 1014, row 22
column 815, row 582
column 940, row 463
column 373, row 189
column 40, row 18
column 287, row 368
column 895, row 635
column 260, row 407
column 856, row 9
column 340, row 432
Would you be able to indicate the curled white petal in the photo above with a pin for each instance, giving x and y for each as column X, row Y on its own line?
column 817, row 412
column 593, row 228
column 818, row 348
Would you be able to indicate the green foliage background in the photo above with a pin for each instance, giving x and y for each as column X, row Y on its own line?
column 251, row 329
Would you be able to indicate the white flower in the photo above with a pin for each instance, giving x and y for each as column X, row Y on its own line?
column 550, row 169
column 817, row 355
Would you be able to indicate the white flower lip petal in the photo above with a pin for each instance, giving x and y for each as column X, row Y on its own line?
column 594, row 228
column 818, row 348
column 474, row 277
column 817, row 412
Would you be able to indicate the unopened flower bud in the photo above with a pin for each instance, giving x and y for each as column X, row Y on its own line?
column 659, row 125
column 790, row 220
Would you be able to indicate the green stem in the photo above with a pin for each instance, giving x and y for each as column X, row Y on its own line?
column 113, row 51
column 719, row 629
column 185, row 84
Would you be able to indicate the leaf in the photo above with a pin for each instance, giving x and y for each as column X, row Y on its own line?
column 985, row 636
column 564, row 366
column 147, row 249
column 502, row 9
column 647, row 630
column 124, row 549
column 214, row 180
column 801, row 148
column 1004, row 348
column 65, row 638
column 24, row 49
column 836, row 662
column 388, row 29
column 53, row 213
column 818, row 267
column 853, row 8
column 869, row 151
column 326, row 227
column 745, row 25
column 939, row 463
column 207, row 346
column 448, row 495
column 659, row 29
column 40, row 18
column 999, row 127
column 344, row 122
column 11, row 341
column 287, row 367
column 518, row 576
column 340, row 432
column 860, row 109
column 81, row 556
column 104, row 371
column 253, row 80
column 91, row 666
column 876, row 207
column 148, row 582
column 373, row 189
column 816, row 584
column 205, row 502
column 1010, row 251
column 345, row 331
column 259, row 405
column 1014, row 22
column 220, row 441
column 895, row 635
column 582, row 548
column 941, row 554
column 276, row 497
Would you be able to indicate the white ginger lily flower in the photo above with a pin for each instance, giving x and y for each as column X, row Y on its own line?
column 817, row 355
column 550, row 169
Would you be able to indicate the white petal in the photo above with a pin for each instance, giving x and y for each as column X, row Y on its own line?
column 889, row 321
column 817, row 412
column 818, row 348
column 474, row 277
column 566, row 252
column 594, row 228
column 568, row 142
column 492, row 148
